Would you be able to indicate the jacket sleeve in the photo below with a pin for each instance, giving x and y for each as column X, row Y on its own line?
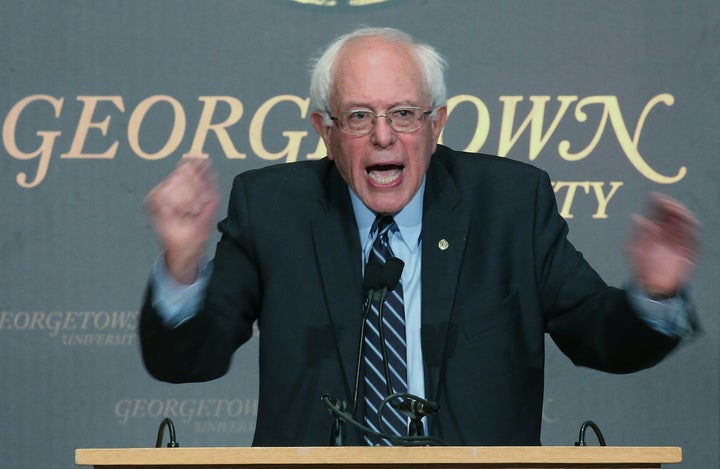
column 201, row 348
column 593, row 324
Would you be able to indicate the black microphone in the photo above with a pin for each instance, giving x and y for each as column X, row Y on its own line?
column 372, row 280
column 595, row 428
column 391, row 273
column 378, row 280
column 416, row 408
column 161, row 432
column 372, row 284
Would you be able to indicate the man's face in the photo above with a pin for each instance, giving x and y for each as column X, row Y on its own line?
column 384, row 168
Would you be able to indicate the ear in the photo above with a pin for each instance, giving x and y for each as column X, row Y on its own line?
column 438, row 124
column 321, row 127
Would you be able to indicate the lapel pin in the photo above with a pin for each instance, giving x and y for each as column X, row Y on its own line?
column 443, row 244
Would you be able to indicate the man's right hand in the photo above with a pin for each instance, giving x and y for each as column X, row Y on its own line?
column 182, row 209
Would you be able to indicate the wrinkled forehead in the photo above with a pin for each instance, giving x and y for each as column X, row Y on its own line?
column 377, row 70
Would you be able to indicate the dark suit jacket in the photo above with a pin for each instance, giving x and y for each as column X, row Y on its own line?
column 290, row 259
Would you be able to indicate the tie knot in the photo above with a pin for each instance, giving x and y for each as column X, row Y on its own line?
column 383, row 224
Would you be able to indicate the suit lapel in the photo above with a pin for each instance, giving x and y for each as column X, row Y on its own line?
column 337, row 247
column 445, row 229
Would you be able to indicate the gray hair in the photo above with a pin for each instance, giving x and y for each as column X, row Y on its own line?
column 432, row 63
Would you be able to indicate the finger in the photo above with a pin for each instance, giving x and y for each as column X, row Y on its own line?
column 175, row 195
column 204, row 188
column 645, row 228
column 648, row 234
column 666, row 208
column 677, row 223
column 193, row 158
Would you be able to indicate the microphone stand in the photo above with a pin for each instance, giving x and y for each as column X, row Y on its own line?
column 161, row 432
column 332, row 405
column 415, row 408
column 595, row 428
column 337, row 433
column 371, row 284
column 415, row 428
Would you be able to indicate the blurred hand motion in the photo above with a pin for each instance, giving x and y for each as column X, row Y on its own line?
column 664, row 247
column 182, row 209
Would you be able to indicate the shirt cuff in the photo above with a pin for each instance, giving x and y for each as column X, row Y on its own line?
column 174, row 302
column 674, row 317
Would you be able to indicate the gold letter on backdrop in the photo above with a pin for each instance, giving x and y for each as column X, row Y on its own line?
column 483, row 120
column 603, row 199
column 631, row 146
column 173, row 140
column 85, row 123
column 597, row 187
column 534, row 118
column 205, row 125
column 611, row 110
column 570, row 194
column 291, row 150
column 44, row 151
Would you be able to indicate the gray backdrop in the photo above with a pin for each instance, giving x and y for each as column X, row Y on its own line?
column 100, row 99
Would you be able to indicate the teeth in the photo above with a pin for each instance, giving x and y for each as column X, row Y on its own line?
column 386, row 176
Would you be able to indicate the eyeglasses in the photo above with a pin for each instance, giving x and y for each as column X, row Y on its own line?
column 359, row 122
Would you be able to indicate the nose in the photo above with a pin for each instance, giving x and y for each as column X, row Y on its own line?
column 382, row 133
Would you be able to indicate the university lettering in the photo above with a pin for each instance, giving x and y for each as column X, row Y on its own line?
column 566, row 192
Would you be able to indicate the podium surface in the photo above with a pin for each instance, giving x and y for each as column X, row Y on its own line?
column 442, row 457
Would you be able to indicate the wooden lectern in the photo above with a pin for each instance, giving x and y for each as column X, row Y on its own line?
column 423, row 457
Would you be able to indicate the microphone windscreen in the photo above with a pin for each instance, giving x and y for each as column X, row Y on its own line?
column 373, row 276
column 391, row 273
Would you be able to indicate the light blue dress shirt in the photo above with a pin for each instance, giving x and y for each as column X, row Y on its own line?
column 406, row 244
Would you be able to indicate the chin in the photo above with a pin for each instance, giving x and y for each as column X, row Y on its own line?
column 386, row 202
column 387, row 208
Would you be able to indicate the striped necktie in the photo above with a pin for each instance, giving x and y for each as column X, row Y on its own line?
column 392, row 332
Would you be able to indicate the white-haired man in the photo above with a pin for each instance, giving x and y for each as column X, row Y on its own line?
column 488, row 268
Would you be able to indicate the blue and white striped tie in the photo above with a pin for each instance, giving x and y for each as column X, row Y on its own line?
column 393, row 332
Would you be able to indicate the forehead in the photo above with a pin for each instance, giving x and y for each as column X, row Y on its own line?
column 378, row 73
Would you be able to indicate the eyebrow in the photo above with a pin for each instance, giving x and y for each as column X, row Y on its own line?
column 355, row 107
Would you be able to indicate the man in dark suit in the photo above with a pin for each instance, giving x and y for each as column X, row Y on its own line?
column 488, row 267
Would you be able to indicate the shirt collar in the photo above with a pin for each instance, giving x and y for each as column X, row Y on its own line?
column 408, row 220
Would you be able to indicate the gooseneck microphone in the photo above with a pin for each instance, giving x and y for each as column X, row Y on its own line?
column 161, row 432
column 391, row 273
column 372, row 285
column 595, row 428
column 417, row 408
column 378, row 281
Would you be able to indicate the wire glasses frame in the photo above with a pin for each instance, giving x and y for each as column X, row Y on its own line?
column 359, row 122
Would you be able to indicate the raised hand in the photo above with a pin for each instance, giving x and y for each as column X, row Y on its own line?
column 664, row 247
column 183, row 209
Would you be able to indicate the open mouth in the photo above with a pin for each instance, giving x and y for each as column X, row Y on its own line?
column 385, row 174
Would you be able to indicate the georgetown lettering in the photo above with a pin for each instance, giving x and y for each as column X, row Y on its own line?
column 187, row 410
column 220, row 116
column 56, row 321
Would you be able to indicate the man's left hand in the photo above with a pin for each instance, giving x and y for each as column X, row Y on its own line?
column 664, row 247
